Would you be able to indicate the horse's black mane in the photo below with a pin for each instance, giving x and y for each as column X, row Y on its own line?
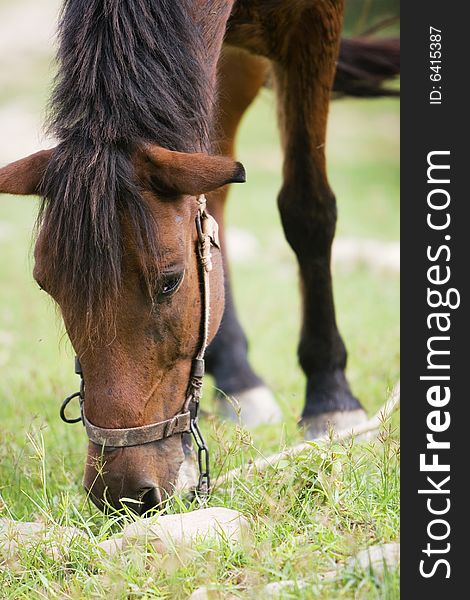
column 130, row 72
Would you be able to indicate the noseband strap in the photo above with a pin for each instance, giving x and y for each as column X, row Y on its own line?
column 186, row 421
column 136, row 436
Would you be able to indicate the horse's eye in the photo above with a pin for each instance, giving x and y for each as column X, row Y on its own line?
column 169, row 283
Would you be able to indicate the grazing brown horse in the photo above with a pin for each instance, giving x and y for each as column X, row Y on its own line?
column 125, row 245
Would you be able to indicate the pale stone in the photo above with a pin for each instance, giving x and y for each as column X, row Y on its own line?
column 203, row 593
column 378, row 557
column 15, row 536
column 166, row 532
column 111, row 546
column 276, row 588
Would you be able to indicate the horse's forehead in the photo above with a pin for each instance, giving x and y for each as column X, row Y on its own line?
column 170, row 213
column 174, row 226
column 173, row 218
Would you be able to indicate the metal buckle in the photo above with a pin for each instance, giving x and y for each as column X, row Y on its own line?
column 171, row 426
column 66, row 402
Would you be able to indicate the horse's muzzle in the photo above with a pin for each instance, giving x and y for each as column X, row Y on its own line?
column 144, row 497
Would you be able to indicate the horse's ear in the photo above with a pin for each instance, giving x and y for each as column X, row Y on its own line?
column 24, row 176
column 188, row 173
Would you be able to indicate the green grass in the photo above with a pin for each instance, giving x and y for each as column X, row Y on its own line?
column 308, row 518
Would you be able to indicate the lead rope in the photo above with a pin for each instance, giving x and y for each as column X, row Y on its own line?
column 207, row 235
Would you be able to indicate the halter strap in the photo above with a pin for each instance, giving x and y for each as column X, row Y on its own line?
column 186, row 421
column 136, row 436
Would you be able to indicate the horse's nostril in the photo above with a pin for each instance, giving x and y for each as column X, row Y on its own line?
column 149, row 498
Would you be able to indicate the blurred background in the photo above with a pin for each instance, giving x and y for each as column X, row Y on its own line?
column 36, row 361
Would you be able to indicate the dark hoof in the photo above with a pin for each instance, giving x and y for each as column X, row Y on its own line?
column 317, row 426
column 330, row 403
column 329, row 391
column 253, row 407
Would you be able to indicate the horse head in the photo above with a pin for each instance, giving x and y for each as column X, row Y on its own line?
column 139, row 330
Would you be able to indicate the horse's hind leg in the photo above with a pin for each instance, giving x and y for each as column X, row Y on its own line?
column 304, row 72
column 241, row 75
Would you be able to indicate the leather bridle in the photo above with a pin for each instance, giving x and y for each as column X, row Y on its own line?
column 185, row 421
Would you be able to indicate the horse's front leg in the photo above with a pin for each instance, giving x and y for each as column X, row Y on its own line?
column 242, row 393
column 304, row 70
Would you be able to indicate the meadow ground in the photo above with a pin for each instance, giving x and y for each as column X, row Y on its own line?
column 308, row 518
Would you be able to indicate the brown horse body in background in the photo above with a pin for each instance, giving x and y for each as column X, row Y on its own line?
column 144, row 89
column 296, row 44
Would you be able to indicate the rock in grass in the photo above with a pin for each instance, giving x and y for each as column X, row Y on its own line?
column 111, row 546
column 277, row 589
column 201, row 593
column 378, row 558
column 204, row 593
column 167, row 532
column 16, row 537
